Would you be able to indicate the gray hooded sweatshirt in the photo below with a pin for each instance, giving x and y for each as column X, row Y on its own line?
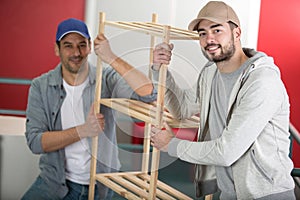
column 255, row 141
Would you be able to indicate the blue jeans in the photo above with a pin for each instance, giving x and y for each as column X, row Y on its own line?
column 40, row 190
column 79, row 191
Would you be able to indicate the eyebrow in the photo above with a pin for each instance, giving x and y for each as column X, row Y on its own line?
column 211, row 27
column 66, row 42
column 82, row 42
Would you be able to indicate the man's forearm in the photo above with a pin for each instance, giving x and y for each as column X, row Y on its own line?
column 138, row 81
column 55, row 140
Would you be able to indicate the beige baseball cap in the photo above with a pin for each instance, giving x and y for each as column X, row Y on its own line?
column 215, row 11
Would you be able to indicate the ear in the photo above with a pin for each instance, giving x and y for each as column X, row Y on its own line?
column 237, row 33
column 90, row 46
column 56, row 50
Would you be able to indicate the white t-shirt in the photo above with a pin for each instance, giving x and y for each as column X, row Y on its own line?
column 77, row 154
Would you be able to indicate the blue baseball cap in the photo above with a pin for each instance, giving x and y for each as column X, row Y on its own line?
column 72, row 26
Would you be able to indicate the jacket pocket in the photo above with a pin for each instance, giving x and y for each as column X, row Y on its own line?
column 260, row 167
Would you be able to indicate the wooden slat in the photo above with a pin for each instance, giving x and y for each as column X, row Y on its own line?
column 146, row 112
column 135, row 185
column 144, row 184
column 167, row 188
column 151, row 110
column 155, row 29
column 175, row 33
column 130, row 27
column 117, row 188
column 123, row 107
column 129, row 185
column 99, row 176
column 178, row 33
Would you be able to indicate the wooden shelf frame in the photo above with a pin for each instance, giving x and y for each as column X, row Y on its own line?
column 141, row 185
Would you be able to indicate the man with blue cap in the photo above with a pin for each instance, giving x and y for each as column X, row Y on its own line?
column 61, row 119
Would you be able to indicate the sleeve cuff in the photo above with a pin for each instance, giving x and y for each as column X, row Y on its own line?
column 172, row 148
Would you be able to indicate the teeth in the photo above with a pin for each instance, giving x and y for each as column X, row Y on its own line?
column 213, row 48
column 76, row 60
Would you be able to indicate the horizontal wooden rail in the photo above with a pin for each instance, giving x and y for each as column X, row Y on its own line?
column 146, row 112
column 155, row 30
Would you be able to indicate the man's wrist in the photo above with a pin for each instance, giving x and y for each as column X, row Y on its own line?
column 155, row 67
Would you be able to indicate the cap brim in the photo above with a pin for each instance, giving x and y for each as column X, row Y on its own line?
column 73, row 31
column 194, row 25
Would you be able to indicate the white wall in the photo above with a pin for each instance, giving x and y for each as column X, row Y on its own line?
column 18, row 166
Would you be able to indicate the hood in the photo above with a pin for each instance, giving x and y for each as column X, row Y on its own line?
column 258, row 60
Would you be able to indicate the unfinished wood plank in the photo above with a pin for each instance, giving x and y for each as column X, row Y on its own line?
column 154, row 172
column 159, row 117
column 146, row 148
column 144, row 26
column 124, row 108
column 162, row 83
column 99, row 176
column 97, row 97
column 175, row 33
column 178, row 33
column 130, row 186
column 138, row 181
column 164, row 187
column 145, row 185
column 192, row 122
column 146, row 112
column 155, row 29
column 134, row 28
column 152, row 45
column 118, row 189
column 208, row 197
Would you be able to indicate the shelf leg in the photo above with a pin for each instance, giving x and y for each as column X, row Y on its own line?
column 96, row 110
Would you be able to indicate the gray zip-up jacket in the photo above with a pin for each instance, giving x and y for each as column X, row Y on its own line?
column 255, row 142
column 45, row 99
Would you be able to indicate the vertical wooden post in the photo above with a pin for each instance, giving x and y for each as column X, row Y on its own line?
column 96, row 110
column 208, row 197
column 162, row 82
column 146, row 148
column 152, row 43
column 147, row 130
column 159, row 118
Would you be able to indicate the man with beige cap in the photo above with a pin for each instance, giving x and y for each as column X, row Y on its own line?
column 243, row 140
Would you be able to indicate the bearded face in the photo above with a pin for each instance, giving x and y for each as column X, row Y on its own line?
column 220, row 53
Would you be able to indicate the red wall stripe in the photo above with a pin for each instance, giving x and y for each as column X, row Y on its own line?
column 27, row 47
column 279, row 37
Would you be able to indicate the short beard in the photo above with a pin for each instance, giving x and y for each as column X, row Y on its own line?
column 76, row 71
column 225, row 54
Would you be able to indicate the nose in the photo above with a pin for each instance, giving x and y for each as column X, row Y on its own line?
column 77, row 51
column 210, row 38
